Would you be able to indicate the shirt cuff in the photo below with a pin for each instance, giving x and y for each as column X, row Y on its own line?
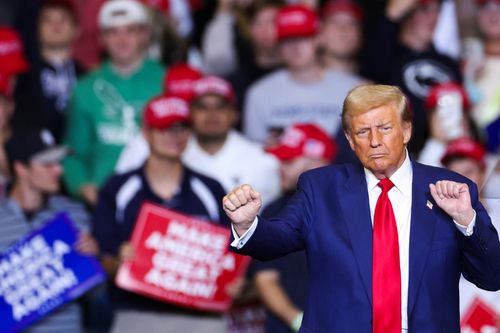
column 240, row 241
column 467, row 230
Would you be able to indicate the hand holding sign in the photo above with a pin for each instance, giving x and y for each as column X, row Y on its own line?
column 126, row 252
column 181, row 260
column 43, row 271
column 86, row 244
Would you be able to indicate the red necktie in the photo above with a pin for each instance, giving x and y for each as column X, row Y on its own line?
column 386, row 278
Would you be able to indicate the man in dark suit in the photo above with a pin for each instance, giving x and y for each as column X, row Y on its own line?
column 386, row 239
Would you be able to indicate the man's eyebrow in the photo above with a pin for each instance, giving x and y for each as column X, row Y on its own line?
column 385, row 124
column 362, row 128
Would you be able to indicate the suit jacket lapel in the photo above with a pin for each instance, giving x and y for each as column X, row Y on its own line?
column 421, row 232
column 356, row 210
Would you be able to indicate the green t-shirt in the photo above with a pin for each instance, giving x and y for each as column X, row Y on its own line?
column 105, row 113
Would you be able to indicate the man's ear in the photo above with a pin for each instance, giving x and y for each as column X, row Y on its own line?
column 407, row 129
column 146, row 133
column 349, row 139
column 235, row 117
column 20, row 169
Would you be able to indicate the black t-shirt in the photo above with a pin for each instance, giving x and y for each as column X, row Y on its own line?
column 42, row 96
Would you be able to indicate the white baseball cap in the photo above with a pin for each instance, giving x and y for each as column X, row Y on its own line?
column 115, row 13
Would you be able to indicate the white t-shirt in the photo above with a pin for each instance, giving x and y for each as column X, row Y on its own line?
column 277, row 101
column 240, row 161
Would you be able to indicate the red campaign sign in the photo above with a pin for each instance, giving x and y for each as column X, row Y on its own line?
column 180, row 259
column 479, row 318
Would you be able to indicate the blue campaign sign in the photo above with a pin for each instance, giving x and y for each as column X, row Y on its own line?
column 42, row 272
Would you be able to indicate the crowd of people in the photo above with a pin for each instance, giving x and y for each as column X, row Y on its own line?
column 107, row 104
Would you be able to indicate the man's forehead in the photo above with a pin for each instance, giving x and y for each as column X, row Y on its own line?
column 378, row 113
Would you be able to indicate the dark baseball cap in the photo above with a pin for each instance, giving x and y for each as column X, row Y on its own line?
column 34, row 145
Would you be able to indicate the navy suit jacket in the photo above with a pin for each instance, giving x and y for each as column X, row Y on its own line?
column 329, row 217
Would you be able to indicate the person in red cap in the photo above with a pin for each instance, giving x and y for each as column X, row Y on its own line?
column 341, row 35
column 177, row 82
column 399, row 51
column 468, row 158
column 164, row 180
column 303, row 91
column 219, row 151
column 448, row 106
column 282, row 283
column 12, row 64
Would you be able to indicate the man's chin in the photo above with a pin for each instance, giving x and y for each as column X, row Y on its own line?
column 377, row 166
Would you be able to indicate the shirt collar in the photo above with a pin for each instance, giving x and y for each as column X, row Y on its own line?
column 402, row 178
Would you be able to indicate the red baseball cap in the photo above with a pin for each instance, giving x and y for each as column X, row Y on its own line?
column 296, row 21
column 12, row 59
column 442, row 88
column 215, row 86
column 464, row 147
column 162, row 112
column 179, row 81
column 306, row 140
column 162, row 5
column 343, row 6
column 6, row 84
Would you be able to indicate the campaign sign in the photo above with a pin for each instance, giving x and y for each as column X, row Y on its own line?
column 479, row 318
column 42, row 272
column 180, row 259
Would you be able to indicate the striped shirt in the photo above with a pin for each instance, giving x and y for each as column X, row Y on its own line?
column 14, row 225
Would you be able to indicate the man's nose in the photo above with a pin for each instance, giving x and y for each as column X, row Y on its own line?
column 374, row 139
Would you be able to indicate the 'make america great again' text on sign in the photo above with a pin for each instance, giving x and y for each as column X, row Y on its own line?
column 42, row 272
column 181, row 260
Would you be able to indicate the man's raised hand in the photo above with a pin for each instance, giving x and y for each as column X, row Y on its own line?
column 454, row 199
column 242, row 205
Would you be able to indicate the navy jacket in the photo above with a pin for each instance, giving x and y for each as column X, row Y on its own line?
column 329, row 217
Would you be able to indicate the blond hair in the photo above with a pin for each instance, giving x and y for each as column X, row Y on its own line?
column 367, row 97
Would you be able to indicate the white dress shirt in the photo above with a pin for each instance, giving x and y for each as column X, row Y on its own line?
column 401, row 199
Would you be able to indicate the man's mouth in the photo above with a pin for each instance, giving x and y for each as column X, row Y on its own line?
column 374, row 156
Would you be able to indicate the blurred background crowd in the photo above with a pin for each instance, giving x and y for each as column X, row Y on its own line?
column 107, row 104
